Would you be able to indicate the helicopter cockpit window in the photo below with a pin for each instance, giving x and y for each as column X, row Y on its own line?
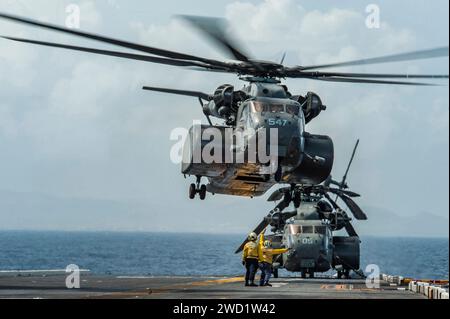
column 320, row 230
column 295, row 229
column 308, row 229
column 244, row 116
column 292, row 109
column 276, row 108
column 259, row 107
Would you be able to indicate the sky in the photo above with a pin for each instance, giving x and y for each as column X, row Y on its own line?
column 82, row 147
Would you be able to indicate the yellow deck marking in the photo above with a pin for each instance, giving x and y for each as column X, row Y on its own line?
column 338, row 287
column 168, row 288
column 217, row 282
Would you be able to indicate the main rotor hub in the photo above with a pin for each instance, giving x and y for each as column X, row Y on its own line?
column 258, row 79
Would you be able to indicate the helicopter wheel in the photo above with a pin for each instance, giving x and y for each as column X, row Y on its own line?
column 202, row 192
column 192, row 191
column 347, row 273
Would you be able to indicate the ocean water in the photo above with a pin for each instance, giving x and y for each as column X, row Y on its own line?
column 193, row 254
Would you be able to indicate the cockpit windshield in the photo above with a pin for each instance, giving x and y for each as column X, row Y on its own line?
column 295, row 229
column 260, row 107
column 308, row 229
column 320, row 230
column 277, row 108
column 292, row 109
column 299, row 229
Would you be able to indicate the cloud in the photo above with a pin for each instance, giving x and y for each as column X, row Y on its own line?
column 82, row 127
column 316, row 36
column 8, row 123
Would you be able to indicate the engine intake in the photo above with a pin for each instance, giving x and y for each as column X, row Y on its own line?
column 312, row 105
column 225, row 102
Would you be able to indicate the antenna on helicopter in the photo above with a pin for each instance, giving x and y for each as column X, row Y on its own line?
column 343, row 185
column 283, row 58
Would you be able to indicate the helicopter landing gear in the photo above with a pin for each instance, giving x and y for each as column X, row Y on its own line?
column 196, row 188
column 343, row 274
column 202, row 192
column 278, row 174
column 307, row 274
column 192, row 191
column 347, row 273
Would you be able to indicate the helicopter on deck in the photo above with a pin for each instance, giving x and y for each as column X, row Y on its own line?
column 312, row 230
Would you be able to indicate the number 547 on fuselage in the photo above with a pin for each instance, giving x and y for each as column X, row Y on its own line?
column 261, row 143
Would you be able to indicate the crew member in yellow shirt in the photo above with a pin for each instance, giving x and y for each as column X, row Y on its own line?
column 250, row 260
column 265, row 258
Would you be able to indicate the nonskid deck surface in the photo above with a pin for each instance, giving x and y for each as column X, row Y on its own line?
column 91, row 286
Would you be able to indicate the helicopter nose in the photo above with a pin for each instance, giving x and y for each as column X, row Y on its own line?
column 284, row 136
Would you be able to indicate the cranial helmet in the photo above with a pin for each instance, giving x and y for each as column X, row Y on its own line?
column 252, row 237
column 267, row 244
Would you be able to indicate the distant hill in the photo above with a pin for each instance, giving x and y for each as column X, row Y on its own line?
column 43, row 212
column 383, row 222
column 32, row 211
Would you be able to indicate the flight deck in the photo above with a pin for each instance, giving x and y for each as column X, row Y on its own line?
column 143, row 287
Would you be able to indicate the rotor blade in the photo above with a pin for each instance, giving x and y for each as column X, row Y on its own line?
column 257, row 231
column 283, row 58
column 409, row 56
column 124, row 55
column 328, row 181
column 333, row 182
column 266, row 221
column 332, row 202
column 261, row 226
column 343, row 191
column 278, row 194
column 286, row 216
column 350, row 193
column 344, row 178
column 211, row 68
column 284, row 203
column 216, row 30
column 375, row 75
column 121, row 43
column 350, row 230
column 356, row 80
column 201, row 95
column 354, row 208
column 348, row 227
column 241, row 247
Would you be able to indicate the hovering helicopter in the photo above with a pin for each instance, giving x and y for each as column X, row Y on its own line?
column 309, row 230
column 263, row 104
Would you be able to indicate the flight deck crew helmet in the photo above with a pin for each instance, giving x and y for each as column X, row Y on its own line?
column 252, row 237
column 267, row 244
